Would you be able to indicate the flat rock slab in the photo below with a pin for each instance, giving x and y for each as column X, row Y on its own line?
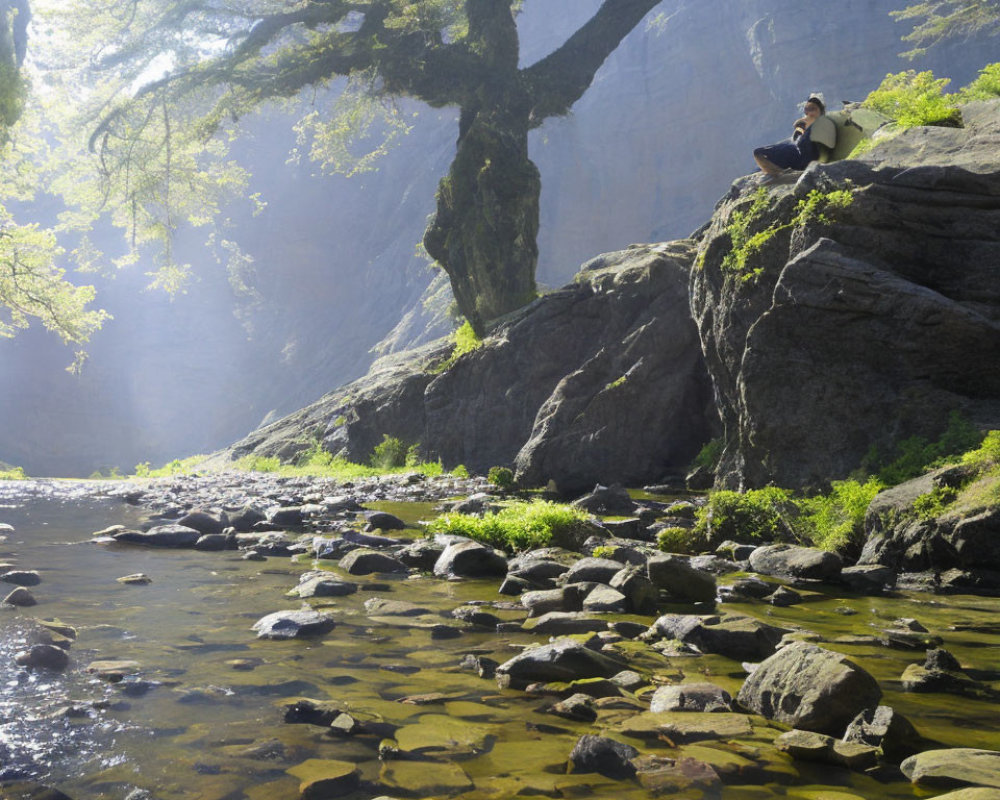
column 957, row 766
column 691, row 697
column 565, row 623
column 380, row 607
column 424, row 778
column 323, row 586
column 682, row 727
column 113, row 671
column 323, row 778
column 443, row 734
column 293, row 624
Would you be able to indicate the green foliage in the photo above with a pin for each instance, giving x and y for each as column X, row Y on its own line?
column 835, row 521
column 461, row 471
column 680, row 540
column 390, row 453
column 8, row 473
column 501, row 477
column 937, row 20
column 816, row 208
column 986, row 457
column 916, row 455
column 518, row 526
column 465, row 340
column 758, row 515
column 914, row 98
column 985, row 87
column 178, row 466
column 935, row 502
column 603, row 551
column 709, row 455
column 616, row 383
column 259, row 464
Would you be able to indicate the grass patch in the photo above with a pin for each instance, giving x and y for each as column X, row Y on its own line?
column 179, row 466
column 518, row 526
column 9, row 473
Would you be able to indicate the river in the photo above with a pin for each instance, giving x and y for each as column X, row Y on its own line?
column 203, row 716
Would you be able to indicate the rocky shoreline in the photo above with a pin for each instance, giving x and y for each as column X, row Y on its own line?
column 601, row 632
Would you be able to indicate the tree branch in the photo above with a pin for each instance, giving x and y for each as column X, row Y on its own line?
column 561, row 78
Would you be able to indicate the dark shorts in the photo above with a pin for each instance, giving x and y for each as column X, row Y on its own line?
column 785, row 155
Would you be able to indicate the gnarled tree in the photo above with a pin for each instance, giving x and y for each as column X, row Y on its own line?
column 218, row 59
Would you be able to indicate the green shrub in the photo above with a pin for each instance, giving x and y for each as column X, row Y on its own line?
column 835, row 521
column 914, row 98
column 465, row 340
column 935, row 502
column 391, row 453
column 603, row 551
column 501, row 477
column 461, row 471
column 518, row 526
column 985, row 87
column 679, row 540
column 986, row 457
column 916, row 455
column 9, row 473
column 754, row 516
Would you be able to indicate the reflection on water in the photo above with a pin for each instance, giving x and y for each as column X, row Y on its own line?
column 202, row 717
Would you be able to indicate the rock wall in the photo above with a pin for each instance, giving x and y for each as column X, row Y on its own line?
column 869, row 329
column 600, row 381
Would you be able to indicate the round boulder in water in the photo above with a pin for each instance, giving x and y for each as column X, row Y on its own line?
column 293, row 624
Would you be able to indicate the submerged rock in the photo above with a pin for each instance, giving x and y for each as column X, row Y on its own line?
column 172, row 535
column 324, row 778
column 20, row 597
column 21, row 577
column 811, row 746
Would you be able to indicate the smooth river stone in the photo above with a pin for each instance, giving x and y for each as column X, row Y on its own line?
column 323, row 778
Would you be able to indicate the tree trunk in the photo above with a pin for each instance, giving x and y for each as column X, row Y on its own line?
column 486, row 227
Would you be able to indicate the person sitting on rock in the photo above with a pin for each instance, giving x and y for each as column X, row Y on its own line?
column 811, row 131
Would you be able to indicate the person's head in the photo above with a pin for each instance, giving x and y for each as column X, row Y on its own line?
column 814, row 107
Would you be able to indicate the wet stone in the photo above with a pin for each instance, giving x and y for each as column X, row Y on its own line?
column 325, row 778
column 20, row 597
column 470, row 560
column 323, row 585
column 959, row 766
column 705, row 697
column 43, row 656
column 21, row 577
column 668, row 777
column 113, row 671
column 380, row 607
column 577, row 707
column 606, row 756
column 810, row 746
column 366, row 562
column 293, row 624
column 136, row 579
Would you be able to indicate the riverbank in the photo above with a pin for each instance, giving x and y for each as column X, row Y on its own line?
column 425, row 668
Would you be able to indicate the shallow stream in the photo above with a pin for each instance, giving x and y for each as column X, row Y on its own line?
column 203, row 718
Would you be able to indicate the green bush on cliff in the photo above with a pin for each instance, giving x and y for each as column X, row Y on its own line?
column 465, row 340
column 985, row 87
column 518, row 526
column 914, row 98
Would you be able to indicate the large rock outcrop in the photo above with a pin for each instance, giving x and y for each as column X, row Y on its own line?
column 600, row 381
column 863, row 330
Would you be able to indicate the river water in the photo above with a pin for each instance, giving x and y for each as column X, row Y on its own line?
column 203, row 717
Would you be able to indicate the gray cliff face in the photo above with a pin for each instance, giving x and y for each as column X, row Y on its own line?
column 866, row 330
column 602, row 380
